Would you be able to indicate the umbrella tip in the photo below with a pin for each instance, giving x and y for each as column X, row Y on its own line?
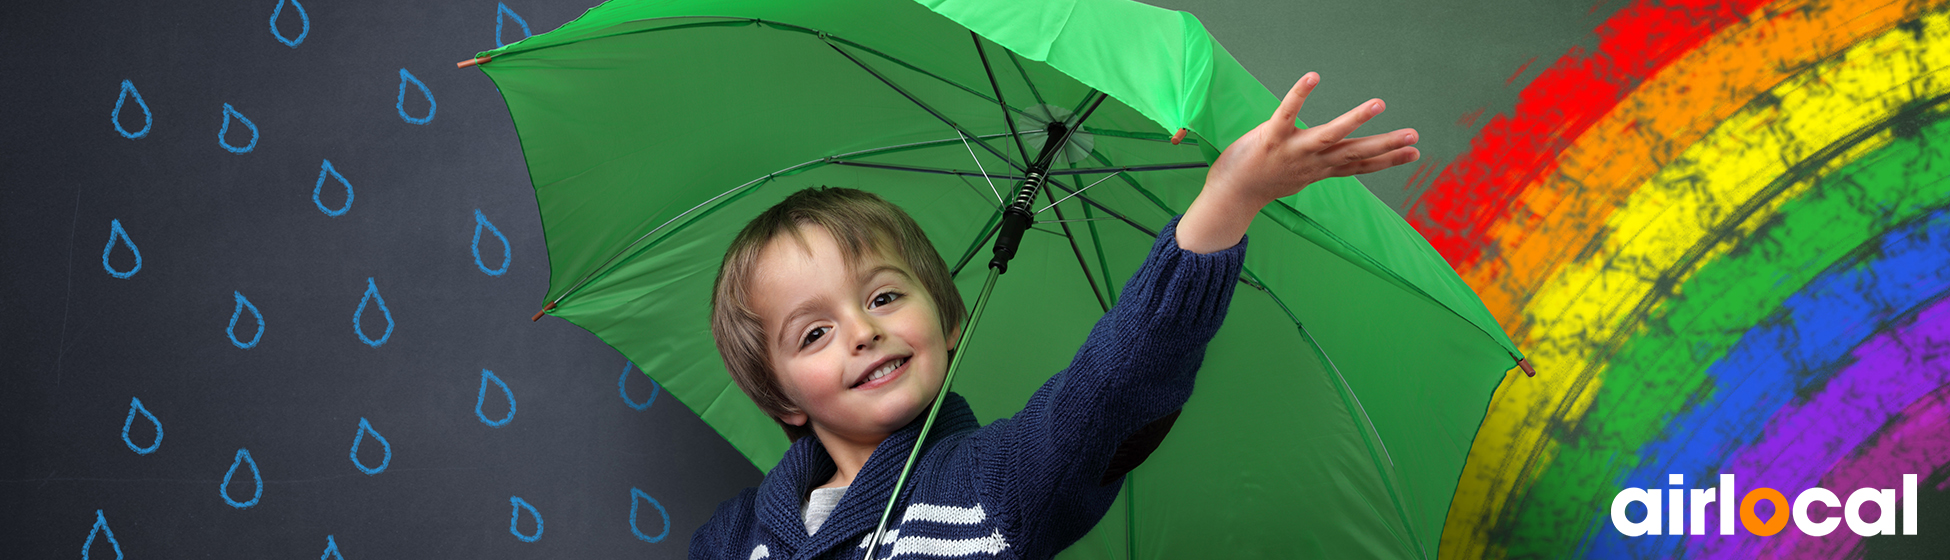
column 538, row 314
column 1528, row 370
column 1178, row 137
column 474, row 62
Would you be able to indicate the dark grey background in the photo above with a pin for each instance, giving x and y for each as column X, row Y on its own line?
column 76, row 345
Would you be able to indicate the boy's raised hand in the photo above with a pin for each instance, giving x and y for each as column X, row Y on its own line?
column 1277, row 159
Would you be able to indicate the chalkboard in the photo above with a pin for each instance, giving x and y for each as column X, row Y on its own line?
column 269, row 267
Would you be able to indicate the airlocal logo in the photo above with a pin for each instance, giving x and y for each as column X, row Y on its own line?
column 1675, row 510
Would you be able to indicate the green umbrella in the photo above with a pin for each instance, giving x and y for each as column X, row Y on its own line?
column 654, row 130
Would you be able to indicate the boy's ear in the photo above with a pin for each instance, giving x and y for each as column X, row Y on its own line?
column 954, row 337
column 795, row 418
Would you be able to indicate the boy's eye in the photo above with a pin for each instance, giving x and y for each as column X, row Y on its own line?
column 813, row 336
column 883, row 299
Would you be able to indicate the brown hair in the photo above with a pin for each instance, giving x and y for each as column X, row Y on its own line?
column 860, row 222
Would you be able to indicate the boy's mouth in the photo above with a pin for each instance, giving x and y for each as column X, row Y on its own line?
column 882, row 373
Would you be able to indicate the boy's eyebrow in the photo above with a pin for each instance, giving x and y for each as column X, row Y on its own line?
column 875, row 271
column 805, row 307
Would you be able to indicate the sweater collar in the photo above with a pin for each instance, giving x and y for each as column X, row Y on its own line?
column 806, row 464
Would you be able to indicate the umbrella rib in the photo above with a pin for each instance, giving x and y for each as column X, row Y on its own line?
column 1131, row 168
column 917, row 101
column 984, row 170
column 1081, row 264
column 919, row 169
column 913, row 145
column 1248, row 278
column 1079, row 191
column 1101, row 206
column 725, row 21
column 1002, row 102
column 1031, row 83
column 830, row 159
column 1150, row 136
column 1071, row 220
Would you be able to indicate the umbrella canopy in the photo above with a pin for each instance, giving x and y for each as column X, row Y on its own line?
column 654, row 130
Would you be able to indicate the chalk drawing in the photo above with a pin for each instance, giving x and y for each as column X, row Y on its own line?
column 324, row 170
column 243, row 458
column 128, row 89
column 622, row 386
column 101, row 528
column 135, row 405
column 515, row 516
column 507, row 252
column 331, row 549
column 229, row 114
column 487, row 376
column 366, row 428
column 637, row 497
column 501, row 11
column 405, row 78
column 243, row 304
column 372, row 296
column 303, row 20
column 114, row 231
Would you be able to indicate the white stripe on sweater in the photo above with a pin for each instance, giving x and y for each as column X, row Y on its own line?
column 888, row 538
column 761, row 552
column 945, row 548
column 950, row 515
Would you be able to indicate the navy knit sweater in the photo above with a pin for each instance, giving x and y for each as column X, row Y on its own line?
column 1022, row 487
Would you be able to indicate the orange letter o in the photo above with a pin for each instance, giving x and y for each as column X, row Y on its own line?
column 1752, row 522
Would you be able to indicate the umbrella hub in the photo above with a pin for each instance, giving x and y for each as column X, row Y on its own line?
column 1050, row 121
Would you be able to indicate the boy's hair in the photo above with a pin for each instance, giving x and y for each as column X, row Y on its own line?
column 860, row 222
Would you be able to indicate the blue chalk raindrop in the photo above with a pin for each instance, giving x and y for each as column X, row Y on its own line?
column 515, row 517
column 101, row 528
column 331, row 549
column 507, row 252
column 501, row 11
column 243, row 458
column 135, row 405
column 304, row 21
column 115, row 230
column 622, row 386
column 324, row 170
column 405, row 78
column 128, row 89
column 372, row 296
column 243, row 304
column 637, row 497
column 229, row 114
column 366, row 428
column 480, row 399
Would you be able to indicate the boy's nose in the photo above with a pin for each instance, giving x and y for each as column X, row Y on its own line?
column 862, row 345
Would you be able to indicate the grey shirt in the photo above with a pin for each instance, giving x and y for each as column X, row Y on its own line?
column 820, row 505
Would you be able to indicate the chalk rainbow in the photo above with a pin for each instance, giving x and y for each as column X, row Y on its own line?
column 1723, row 238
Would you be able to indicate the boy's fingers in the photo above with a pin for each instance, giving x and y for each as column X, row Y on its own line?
column 1290, row 106
column 1397, row 157
column 1337, row 129
column 1349, row 151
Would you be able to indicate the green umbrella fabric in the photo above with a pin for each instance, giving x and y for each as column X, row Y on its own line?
column 654, row 130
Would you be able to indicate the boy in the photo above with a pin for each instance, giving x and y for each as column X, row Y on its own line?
column 836, row 316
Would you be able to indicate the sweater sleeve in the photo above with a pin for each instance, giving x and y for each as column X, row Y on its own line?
column 1045, row 463
column 725, row 535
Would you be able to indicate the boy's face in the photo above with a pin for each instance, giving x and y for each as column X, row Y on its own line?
column 858, row 348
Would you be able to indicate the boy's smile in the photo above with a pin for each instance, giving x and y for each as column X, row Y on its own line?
column 858, row 348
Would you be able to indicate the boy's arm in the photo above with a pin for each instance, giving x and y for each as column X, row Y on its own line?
column 1046, row 467
column 1138, row 364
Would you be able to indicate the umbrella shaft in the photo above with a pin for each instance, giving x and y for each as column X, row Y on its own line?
column 954, row 363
